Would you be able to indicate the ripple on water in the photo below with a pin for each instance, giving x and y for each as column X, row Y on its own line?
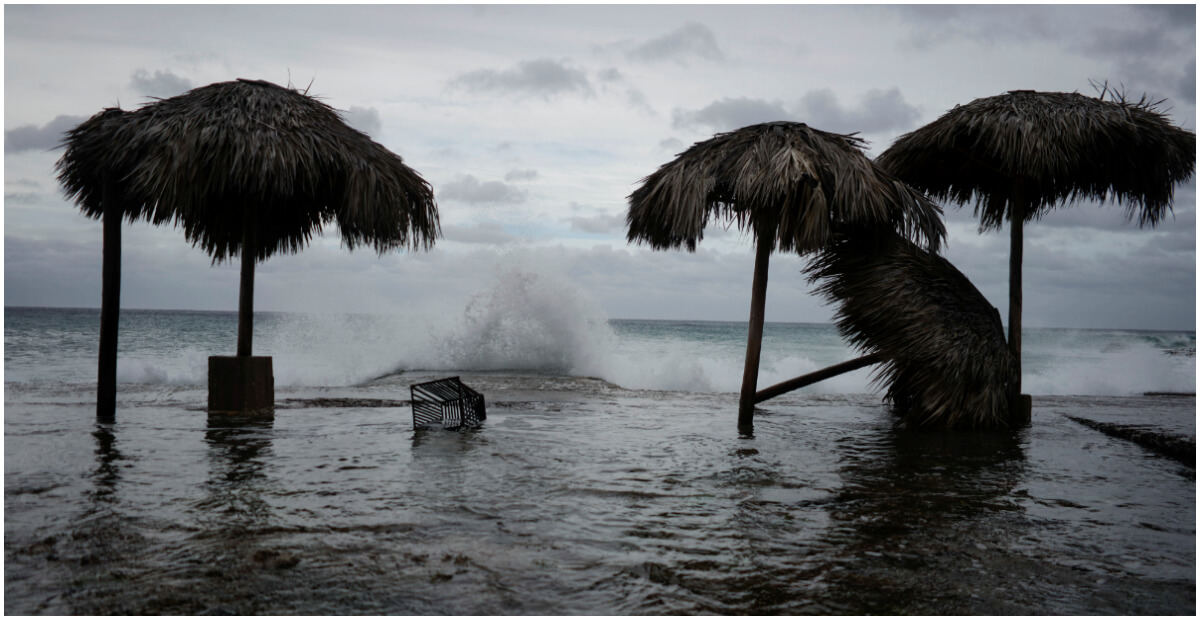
column 588, row 501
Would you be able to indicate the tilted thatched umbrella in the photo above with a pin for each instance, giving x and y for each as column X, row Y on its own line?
column 794, row 187
column 945, row 360
column 253, row 168
column 1020, row 154
column 85, row 172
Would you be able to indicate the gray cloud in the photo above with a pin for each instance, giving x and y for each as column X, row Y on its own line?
column 46, row 137
column 691, row 40
column 467, row 188
column 671, row 144
column 1179, row 16
column 521, row 175
column 610, row 75
column 365, row 120
column 161, row 84
column 729, row 113
column 488, row 233
column 21, row 197
column 598, row 224
column 542, row 78
column 877, row 110
column 1187, row 84
column 1149, row 45
column 937, row 26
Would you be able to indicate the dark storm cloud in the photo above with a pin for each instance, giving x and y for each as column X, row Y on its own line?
column 521, row 175
column 1187, row 83
column 541, row 78
column 467, row 188
column 598, row 224
column 365, row 120
column 1152, row 47
column 1155, row 52
column 692, row 40
column 878, row 110
column 44, row 138
column 1182, row 16
column 729, row 113
column 160, row 84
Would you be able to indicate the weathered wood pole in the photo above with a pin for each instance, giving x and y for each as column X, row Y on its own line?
column 1015, row 258
column 246, row 295
column 243, row 384
column 1021, row 407
column 758, row 303
column 110, row 302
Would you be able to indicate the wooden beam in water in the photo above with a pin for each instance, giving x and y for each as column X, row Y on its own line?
column 813, row 377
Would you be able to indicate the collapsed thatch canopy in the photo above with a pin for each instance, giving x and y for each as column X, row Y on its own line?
column 227, row 154
column 946, row 361
column 795, row 187
column 1053, row 148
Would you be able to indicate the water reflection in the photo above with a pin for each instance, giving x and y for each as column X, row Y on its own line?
column 108, row 470
column 238, row 449
column 920, row 515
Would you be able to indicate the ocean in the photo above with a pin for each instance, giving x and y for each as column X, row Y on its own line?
column 608, row 478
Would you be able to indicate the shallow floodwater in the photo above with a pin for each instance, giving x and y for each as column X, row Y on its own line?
column 580, row 497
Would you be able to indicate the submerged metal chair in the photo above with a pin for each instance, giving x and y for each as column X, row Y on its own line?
column 448, row 402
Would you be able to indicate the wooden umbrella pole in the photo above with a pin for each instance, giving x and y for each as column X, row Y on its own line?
column 110, row 303
column 758, row 303
column 1015, row 257
column 246, row 295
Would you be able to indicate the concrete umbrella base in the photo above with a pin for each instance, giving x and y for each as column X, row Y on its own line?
column 241, row 385
column 1021, row 410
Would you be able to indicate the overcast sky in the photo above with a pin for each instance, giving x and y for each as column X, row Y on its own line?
column 534, row 123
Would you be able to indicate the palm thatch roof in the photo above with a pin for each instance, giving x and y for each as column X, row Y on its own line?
column 1060, row 147
column 794, row 186
column 946, row 362
column 88, row 156
column 251, row 152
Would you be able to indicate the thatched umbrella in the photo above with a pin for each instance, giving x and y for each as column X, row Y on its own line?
column 794, row 187
column 86, row 173
column 252, row 168
column 945, row 360
column 1023, row 153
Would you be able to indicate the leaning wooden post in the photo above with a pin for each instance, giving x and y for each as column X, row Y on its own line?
column 758, row 303
column 110, row 302
column 816, row 376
